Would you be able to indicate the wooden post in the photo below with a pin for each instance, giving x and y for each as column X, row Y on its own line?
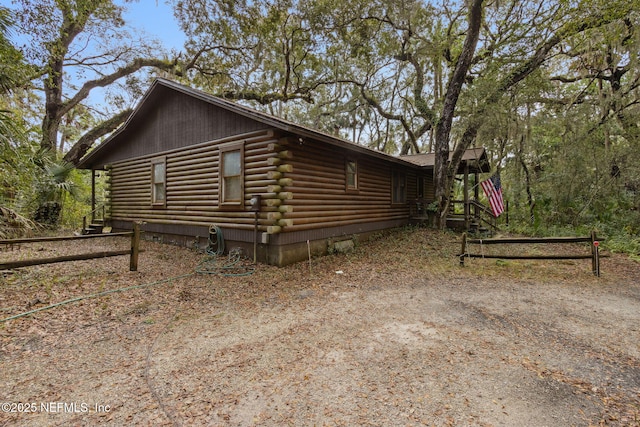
column 255, row 239
column 464, row 248
column 93, row 196
column 466, row 197
column 135, row 247
column 593, row 251
column 595, row 254
column 507, row 212
column 597, row 260
column 476, row 215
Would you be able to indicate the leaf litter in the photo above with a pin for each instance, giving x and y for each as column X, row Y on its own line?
column 402, row 336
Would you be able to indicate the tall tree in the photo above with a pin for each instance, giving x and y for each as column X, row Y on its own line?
column 75, row 47
column 408, row 75
column 576, row 20
column 442, row 176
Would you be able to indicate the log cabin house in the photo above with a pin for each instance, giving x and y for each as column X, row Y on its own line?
column 185, row 161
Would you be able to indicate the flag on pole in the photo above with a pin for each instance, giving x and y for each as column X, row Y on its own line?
column 493, row 189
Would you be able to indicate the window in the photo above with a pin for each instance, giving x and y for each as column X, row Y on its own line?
column 420, row 184
column 159, row 182
column 231, row 174
column 399, row 187
column 351, row 174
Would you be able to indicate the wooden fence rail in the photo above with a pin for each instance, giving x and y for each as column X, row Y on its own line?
column 133, row 252
column 594, row 256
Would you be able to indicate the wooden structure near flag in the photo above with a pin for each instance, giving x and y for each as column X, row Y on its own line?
column 474, row 213
column 592, row 239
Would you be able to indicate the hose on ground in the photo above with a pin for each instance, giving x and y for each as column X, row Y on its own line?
column 215, row 264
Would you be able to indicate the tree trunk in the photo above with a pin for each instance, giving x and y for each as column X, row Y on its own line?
column 443, row 176
column 53, row 103
column 442, row 180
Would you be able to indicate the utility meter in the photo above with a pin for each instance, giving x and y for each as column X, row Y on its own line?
column 255, row 203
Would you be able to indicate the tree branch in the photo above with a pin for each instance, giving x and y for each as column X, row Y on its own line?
column 265, row 98
column 87, row 140
column 128, row 69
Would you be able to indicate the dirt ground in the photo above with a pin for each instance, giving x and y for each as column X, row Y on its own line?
column 395, row 333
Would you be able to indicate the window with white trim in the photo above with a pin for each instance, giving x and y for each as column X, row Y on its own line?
column 159, row 182
column 231, row 174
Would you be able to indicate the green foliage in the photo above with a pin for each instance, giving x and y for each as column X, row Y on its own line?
column 83, row 42
column 12, row 67
column 62, row 195
column 623, row 242
column 32, row 185
column 566, row 141
column 76, row 204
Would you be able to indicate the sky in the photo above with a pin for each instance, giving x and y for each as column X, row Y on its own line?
column 156, row 18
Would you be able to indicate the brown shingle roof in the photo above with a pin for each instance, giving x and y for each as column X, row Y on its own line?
column 475, row 157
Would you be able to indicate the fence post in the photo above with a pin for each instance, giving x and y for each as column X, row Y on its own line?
column 595, row 254
column 135, row 247
column 464, row 248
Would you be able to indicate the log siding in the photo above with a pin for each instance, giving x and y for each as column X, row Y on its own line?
column 303, row 187
column 322, row 198
column 192, row 186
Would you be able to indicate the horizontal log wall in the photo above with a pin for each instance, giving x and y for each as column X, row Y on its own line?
column 321, row 198
column 429, row 188
column 303, row 187
column 192, row 184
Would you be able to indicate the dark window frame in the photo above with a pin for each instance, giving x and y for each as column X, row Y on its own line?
column 398, row 187
column 354, row 186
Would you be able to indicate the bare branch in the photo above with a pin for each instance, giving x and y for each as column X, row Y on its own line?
column 132, row 67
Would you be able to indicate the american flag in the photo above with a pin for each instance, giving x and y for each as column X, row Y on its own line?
column 493, row 189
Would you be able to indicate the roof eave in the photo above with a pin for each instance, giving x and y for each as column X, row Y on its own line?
column 89, row 160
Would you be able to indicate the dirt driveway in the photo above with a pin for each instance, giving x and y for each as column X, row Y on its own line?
column 395, row 333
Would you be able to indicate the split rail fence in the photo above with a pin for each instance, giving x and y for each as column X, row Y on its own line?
column 594, row 255
column 133, row 252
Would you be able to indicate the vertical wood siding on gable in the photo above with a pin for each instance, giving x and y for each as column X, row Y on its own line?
column 321, row 199
column 173, row 120
column 192, row 179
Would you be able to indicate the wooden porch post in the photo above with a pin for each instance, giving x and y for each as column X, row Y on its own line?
column 476, row 195
column 466, row 196
column 93, row 195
